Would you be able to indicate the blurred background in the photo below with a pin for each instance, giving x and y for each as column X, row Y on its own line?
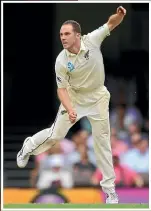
column 68, row 171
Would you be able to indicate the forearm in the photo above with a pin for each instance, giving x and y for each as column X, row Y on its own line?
column 65, row 99
column 114, row 21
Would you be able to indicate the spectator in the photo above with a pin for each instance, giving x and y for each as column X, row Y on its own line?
column 122, row 117
column 117, row 117
column 135, row 140
column 41, row 162
column 134, row 128
column 83, row 170
column 144, row 149
column 137, row 158
column 67, row 146
column 133, row 116
column 116, row 144
column 79, row 138
column 124, row 175
column 55, row 175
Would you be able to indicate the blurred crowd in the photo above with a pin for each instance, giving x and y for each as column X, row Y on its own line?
column 71, row 162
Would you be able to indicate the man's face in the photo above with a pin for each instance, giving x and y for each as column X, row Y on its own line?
column 68, row 36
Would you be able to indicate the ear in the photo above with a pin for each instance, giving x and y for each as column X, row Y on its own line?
column 78, row 35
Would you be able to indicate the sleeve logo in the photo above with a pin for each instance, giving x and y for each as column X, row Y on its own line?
column 63, row 112
column 59, row 79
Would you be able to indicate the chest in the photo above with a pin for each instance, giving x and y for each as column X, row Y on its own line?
column 84, row 62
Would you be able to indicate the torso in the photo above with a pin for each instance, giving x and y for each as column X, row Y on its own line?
column 85, row 74
column 88, row 72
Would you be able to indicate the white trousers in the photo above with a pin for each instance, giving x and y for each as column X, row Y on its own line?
column 98, row 115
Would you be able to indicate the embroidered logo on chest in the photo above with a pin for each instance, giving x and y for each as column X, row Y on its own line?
column 70, row 66
column 86, row 55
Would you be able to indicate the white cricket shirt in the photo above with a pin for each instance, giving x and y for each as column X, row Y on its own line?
column 83, row 73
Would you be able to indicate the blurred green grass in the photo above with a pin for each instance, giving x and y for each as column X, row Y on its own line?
column 71, row 206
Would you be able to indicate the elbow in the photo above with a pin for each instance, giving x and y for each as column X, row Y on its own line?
column 60, row 90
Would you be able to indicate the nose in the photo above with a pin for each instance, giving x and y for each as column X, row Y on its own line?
column 63, row 38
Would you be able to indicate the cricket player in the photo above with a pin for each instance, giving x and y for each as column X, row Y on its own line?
column 80, row 78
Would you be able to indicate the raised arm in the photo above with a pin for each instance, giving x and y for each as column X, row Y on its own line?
column 97, row 36
column 117, row 18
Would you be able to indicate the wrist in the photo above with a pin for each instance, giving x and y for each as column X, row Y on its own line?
column 70, row 110
column 119, row 14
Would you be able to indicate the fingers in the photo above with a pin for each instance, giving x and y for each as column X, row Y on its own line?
column 72, row 116
column 72, row 119
column 121, row 10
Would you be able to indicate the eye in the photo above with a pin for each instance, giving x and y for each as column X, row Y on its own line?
column 67, row 33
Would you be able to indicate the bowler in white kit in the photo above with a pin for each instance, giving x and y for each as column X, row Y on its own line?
column 80, row 79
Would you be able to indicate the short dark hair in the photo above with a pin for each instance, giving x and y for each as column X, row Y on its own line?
column 76, row 26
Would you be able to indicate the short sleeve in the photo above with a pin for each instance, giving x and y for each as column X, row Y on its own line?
column 97, row 36
column 61, row 75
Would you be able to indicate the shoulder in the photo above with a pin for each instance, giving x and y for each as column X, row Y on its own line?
column 61, row 57
column 87, row 40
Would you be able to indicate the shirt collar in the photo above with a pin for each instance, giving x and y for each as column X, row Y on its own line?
column 82, row 48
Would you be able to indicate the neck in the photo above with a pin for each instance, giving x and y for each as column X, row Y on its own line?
column 75, row 49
